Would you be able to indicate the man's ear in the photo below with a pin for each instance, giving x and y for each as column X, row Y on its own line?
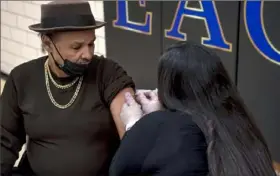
column 47, row 44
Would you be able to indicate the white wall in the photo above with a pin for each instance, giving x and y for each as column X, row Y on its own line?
column 19, row 44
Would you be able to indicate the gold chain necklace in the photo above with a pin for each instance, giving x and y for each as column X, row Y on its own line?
column 51, row 96
column 58, row 85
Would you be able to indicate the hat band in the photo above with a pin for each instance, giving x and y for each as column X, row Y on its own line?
column 64, row 21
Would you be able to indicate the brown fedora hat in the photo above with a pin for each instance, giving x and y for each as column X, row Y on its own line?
column 66, row 15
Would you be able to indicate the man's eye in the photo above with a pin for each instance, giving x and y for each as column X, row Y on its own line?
column 76, row 47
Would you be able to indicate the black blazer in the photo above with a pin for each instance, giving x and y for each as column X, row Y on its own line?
column 162, row 143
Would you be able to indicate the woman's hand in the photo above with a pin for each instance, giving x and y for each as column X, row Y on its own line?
column 131, row 111
column 149, row 101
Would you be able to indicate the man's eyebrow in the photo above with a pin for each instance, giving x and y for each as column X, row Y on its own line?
column 82, row 41
column 78, row 41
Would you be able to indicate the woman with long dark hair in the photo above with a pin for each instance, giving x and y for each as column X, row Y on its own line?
column 205, row 128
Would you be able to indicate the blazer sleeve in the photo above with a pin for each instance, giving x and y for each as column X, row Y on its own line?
column 134, row 147
column 180, row 149
column 12, row 128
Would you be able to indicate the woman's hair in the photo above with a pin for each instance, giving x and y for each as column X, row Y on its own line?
column 193, row 80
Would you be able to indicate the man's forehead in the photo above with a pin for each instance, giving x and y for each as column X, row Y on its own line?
column 81, row 41
column 77, row 35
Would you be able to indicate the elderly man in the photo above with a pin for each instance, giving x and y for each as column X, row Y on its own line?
column 68, row 102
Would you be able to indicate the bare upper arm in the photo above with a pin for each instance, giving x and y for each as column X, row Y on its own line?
column 115, row 108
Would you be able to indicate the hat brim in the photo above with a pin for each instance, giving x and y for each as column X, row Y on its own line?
column 37, row 27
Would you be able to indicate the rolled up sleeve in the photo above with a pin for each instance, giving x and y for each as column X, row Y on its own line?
column 115, row 79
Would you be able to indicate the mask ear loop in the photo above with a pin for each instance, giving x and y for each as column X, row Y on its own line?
column 56, row 63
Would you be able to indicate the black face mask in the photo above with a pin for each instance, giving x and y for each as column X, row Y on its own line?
column 70, row 68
